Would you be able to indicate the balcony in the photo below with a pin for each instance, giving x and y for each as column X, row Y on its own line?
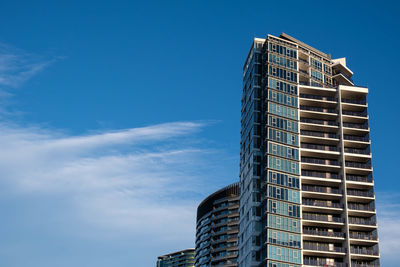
column 319, row 147
column 357, row 151
column 364, row 265
column 323, row 233
column 321, row 203
column 328, row 175
column 321, row 122
column 359, row 193
column 356, row 138
column 363, row 114
column 320, row 161
column 304, row 72
column 304, row 61
column 318, row 109
column 362, row 207
column 318, row 97
column 324, row 218
column 358, row 165
column 362, row 221
column 319, row 134
column 323, row 262
column 363, row 126
column 364, row 251
column 355, row 101
column 322, row 247
column 363, row 236
column 358, row 178
column 321, row 189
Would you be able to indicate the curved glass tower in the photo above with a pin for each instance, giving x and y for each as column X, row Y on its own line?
column 217, row 228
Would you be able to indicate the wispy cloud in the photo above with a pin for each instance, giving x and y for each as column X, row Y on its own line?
column 17, row 66
column 110, row 179
column 388, row 206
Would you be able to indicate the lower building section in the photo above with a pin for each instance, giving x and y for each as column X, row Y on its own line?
column 217, row 228
column 182, row 258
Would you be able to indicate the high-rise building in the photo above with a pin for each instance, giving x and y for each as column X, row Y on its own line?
column 182, row 258
column 217, row 228
column 307, row 192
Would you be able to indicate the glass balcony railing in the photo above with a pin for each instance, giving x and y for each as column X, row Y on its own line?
column 354, row 113
column 357, row 151
column 356, row 138
column 318, row 109
column 360, row 193
column 319, row 147
column 322, row 233
column 355, row 125
column 361, row 235
column 322, row 122
column 321, row 203
column 363, row 221
column 358, row 206
column 358, row 165
column 318, row 97
column 319, row 134
column 322, row 262
column 320, row 161
column 322, row 247
column 355, row 264
column 321, row 217
column 364, row 251
column 328, row 175
column 359, row 178
column 355, row 101
column 321, row 189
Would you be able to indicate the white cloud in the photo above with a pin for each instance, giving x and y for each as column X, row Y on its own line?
column 388, row 208
column 109, row 179
column 17, row 66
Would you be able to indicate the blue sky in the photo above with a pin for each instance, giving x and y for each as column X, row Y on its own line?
column 117, row 118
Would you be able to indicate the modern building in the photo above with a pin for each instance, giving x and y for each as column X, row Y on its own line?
column 182, row 258
column 307, row 192
column 217, row 228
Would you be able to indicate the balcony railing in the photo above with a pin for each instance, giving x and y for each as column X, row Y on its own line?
column 358, row 206
column 304, row 61
column 320, row 161
column 328, row 175
column 360, row 235
column 318, row 97
column 319, row 134
column 358, row 178
column 363, row 221
column 319, row 217
column 322, row 233
column 358, row 165
column 364, row 251
column 356, row 138
column 303, row 72
column 357, row 151
column 314, row 261
column 355, row 125
column 321, row 189
column 320, row 203
column 355, row 101
column 318, row 109
column 360, row 193
column 322, row 122
column 322, row 247
column 353, row 264
column 354, row 113
column 319, row 147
